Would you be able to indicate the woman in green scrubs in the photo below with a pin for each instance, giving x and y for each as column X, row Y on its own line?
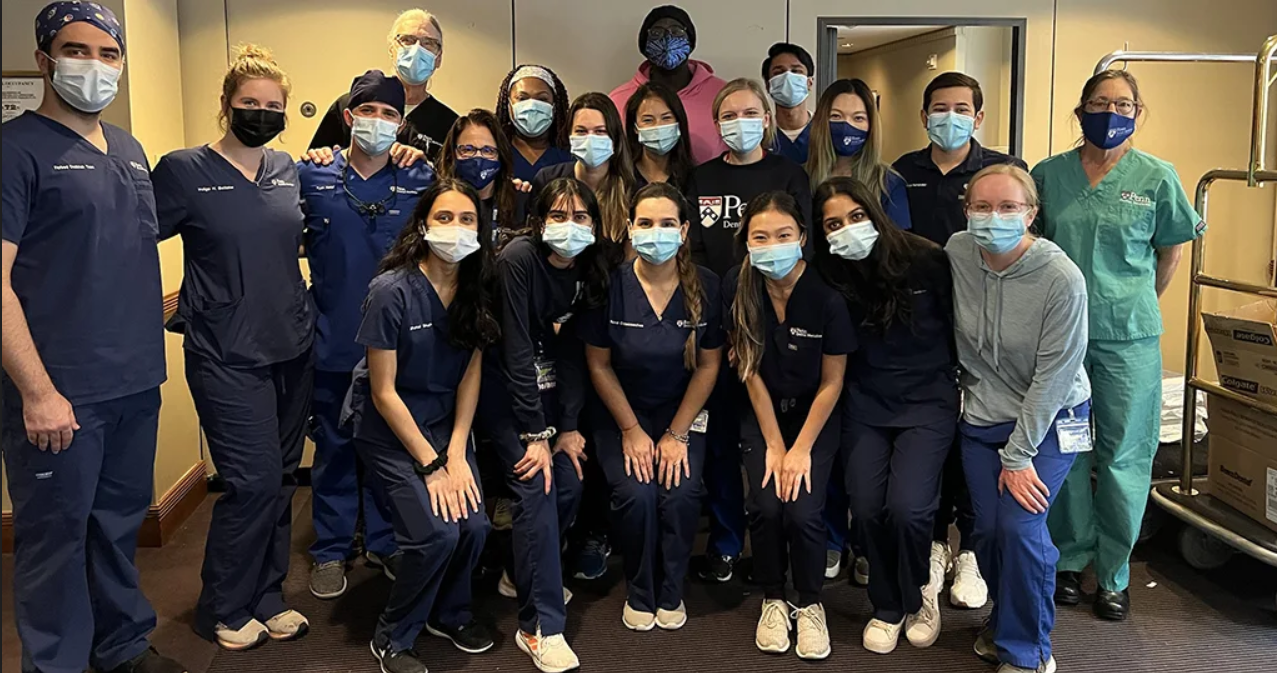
column 1123, row 217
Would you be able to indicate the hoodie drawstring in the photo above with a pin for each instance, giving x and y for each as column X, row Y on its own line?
column 997, row 320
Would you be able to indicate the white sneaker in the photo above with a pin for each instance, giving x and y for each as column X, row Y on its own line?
column 922, row 628
column 860, row 571
column 637, row 620
column 287, row 625
column 672, row 620
column 550, row 654
column 247, row 637
column 813, row 632
column 969, row 588
column 506, row 586
column 881, row 637
column 833, row 564
column 772, row 634
column 941, row 561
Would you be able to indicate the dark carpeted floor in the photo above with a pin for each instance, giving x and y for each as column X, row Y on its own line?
column 1183, row 621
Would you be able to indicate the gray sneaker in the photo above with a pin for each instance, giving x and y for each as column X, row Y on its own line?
column 984, row 645
column 328, row 580
column 833, row 564
column 1047, row 666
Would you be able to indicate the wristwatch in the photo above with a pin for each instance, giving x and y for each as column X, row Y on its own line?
column 543, row 436
column 427, row 470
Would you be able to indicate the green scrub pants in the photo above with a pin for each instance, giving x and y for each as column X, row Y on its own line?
column 1101, row 524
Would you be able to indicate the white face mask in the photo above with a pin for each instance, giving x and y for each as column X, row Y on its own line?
column 374, row 136
column 452, row 243
column 855, row 241
column 86, row 84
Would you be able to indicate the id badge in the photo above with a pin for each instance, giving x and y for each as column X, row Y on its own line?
column 701, row 423
column 547, row 378
column 1074, row 434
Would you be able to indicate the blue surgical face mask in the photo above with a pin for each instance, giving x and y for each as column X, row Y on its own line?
column 477, row 171
column 743, row 134
column 848, row 140
column 788, row 89
column 950, row 130
column 568, row 239
column 592, row 150
column 86, row 84
column 532, row 117
column 1107, row 130
column 996, row 233
column 668, row 52
column 855, row 241
column 415, row 64
column 775, row 261
column 657, row 245
column 373, row 135
column 660, row 139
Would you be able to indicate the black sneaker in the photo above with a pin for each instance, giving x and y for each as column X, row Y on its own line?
column 718, row 569
column 149, row 661
column 591, row 563
column 404, row 661
column 472, row 638
column 389, row 565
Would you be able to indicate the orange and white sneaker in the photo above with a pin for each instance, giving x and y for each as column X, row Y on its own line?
column 550, row 654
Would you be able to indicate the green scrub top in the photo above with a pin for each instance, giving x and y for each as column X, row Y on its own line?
column 1112, row 232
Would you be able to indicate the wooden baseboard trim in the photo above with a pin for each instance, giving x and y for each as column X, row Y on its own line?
column 162, row 519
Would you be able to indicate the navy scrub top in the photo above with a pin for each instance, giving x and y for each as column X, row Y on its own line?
column 404, row 314
column 936, row 198
column 817, row 324
column 243, row 300
column 796, row 149
column 344, row 246
column 552, row 157
column 907, row 376
column 647, row 352
column 87, row 271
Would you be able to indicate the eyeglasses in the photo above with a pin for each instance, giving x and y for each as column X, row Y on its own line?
column 1124, row 106
column 428, row 43
column 659, row 32
column 469, row 151
column 561, row 216
column 1005, row 208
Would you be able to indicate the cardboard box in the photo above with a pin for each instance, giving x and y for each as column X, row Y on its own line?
column 1245, row 344
column 1243, row 459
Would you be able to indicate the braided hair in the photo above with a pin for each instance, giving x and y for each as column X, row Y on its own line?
column 558, row 131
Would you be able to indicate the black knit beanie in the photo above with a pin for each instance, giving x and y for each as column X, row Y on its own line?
column 666, row 12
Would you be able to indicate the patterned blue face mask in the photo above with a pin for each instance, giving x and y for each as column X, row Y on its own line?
column 668, row 52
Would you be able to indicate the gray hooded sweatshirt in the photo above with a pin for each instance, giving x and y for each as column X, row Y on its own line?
column 1022, row 336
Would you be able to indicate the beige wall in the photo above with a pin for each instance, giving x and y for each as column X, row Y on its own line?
column 900, row 72
column 984, row 52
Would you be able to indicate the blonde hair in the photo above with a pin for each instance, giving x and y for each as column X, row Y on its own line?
column 251, row 62
column 1010, row 170
column 414, row 16
column 747, row 84
column 867, row 166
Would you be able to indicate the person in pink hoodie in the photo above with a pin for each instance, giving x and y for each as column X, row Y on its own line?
column 667, row 39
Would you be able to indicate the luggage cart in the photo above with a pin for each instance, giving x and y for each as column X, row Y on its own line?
column 1215, row 530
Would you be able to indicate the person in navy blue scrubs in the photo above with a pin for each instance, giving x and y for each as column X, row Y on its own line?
column 901, row 400
column 653, row 352
column 532, row 110
column 790, row 73
column 83, row 357
column 355, row 208
column 532, row 399
column 427, row 318
column 791, row 334
column 249, row 327
column 477, row 152
column 656, row 128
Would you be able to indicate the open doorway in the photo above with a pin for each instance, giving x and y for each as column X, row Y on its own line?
column 897, row 58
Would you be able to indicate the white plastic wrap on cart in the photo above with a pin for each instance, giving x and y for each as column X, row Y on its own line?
column 1173, row 412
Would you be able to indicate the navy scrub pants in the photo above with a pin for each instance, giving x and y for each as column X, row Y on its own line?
column 338, row 495
column 254, row 421
column 1012, row 544
column 789, row 533
column 439, row 558
column 893, row 476
column 655, row 526
column 725, row 491
column 541, row 524
column 955, row 501
column 76, row 517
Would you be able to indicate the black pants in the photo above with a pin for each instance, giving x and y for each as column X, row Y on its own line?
column 789, row 533
column 893, row 476
column 955, row 502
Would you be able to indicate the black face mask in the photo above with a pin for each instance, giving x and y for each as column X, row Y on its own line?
column 255, row 128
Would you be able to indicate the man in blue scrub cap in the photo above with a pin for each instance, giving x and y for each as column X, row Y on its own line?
column 83, row 357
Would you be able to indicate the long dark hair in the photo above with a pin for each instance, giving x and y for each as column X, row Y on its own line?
column 616, row 187
column 751, row 291
column 471, row 321
column 595, row 262
column 680, row 158
column 503, row 191
column 689, row 276
column 558, row 131
column 880, row 282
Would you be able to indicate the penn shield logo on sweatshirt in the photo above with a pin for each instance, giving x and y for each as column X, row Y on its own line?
column 726, row 210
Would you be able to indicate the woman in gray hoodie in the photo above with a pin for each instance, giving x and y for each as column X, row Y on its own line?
column 1021, row 330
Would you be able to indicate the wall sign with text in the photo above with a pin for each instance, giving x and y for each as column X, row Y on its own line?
column 23, row 91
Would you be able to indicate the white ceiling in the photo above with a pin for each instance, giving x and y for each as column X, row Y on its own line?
column 852, row 39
